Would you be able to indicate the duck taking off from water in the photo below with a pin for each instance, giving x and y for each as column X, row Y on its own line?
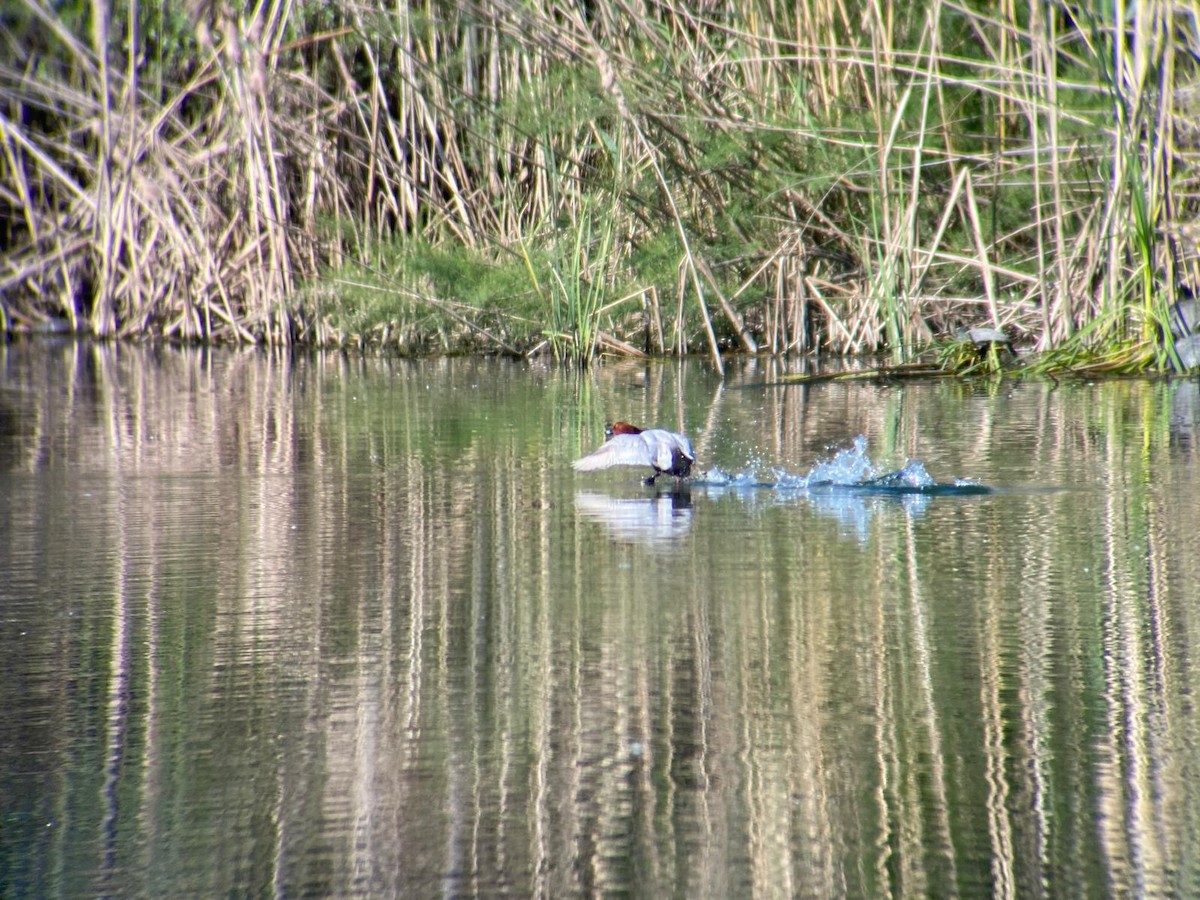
column 666, row 452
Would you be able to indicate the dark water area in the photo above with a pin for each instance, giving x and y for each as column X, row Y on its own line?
column 336, row 626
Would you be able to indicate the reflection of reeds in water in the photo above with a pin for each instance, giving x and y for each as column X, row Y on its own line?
column 413, row 664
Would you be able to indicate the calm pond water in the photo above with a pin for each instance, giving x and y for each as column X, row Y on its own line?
column 332, row 626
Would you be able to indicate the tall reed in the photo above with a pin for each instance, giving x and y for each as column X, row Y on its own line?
column 577, row 286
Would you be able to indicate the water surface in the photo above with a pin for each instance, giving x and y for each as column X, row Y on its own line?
column 333, row 626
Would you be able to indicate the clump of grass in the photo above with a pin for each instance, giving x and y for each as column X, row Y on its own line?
column 418, row 298
column 578, row 284
column 976, row 352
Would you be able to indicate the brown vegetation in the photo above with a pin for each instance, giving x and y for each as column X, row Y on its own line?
column 745, row 174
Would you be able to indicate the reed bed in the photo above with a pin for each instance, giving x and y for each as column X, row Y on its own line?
column 655, row 177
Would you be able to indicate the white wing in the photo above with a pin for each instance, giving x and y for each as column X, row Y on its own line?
column 619, row 450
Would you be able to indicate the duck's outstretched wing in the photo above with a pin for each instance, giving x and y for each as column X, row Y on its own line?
column 619, row 450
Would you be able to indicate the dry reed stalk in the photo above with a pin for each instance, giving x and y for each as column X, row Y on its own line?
column 1045, row 78
column 657, row 341
column 930, row 253
column 981, row 248
column 103, row 320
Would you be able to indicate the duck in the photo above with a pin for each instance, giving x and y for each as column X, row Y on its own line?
column 666, row 452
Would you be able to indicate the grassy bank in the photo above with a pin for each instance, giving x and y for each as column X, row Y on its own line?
column 643, row 177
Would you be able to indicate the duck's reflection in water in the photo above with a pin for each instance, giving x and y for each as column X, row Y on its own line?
column 667, row 516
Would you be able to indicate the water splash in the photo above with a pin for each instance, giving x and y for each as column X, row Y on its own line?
column 849, row 471
column 849, row 466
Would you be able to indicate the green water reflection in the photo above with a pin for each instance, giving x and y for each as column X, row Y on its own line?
column 339, row 626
